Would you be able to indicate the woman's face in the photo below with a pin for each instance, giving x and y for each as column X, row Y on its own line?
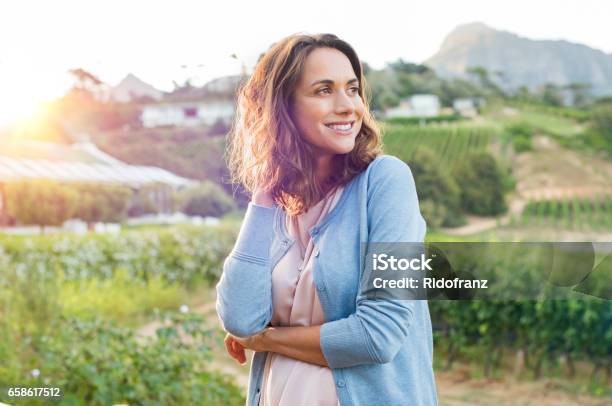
column 327, row 107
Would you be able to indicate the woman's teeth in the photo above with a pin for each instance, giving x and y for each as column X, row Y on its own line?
column 340, row 127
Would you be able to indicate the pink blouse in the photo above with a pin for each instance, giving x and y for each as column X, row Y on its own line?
column 288, row 381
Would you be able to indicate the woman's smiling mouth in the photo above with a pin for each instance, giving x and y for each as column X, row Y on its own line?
column 344, row 127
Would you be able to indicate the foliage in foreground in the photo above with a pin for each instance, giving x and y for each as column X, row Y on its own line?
column 100, row 363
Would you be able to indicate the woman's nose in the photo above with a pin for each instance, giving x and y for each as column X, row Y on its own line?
column 344, row 103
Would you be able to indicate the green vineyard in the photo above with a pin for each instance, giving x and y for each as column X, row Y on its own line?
column 576, row 213
column 451, row 143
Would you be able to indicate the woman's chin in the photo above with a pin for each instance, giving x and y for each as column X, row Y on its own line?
column 345, row 148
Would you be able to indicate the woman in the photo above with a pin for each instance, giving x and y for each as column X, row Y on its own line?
column 304, row 143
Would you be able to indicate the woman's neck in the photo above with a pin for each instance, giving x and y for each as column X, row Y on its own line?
column 323, row 172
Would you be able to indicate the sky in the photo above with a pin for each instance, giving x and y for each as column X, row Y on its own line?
column 174, row 40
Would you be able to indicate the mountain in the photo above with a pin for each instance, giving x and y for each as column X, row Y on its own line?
column 131, row 87
column 521, row 61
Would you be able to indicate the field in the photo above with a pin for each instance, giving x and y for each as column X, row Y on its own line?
column 147, row 294
column 451, row 142
column 574, row 213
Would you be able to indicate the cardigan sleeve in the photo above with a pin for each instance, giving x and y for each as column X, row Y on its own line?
column 379, row 327
column 244, row 291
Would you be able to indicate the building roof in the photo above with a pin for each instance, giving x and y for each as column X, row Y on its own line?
column 78, row 162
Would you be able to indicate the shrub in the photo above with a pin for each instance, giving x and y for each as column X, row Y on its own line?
column 55, row 289
column 522, row 144
column 40, row 202
column 50, row 203
column 100, row 202
column 601, row 123
column 482, row 184
column 99, row 363
column 520, row 129
column 438, row 193
column 433, row 212
column 150, row 199
column 120, row 297
column 521, row 135
column 205, row 199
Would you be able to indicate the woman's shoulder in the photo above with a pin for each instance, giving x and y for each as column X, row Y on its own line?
column 387, row 166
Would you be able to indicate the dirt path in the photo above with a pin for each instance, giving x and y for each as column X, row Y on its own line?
column 479, row 224
column 455, row 388
column 549, row 172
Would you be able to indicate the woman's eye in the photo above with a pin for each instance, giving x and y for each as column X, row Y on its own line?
column 327, row 90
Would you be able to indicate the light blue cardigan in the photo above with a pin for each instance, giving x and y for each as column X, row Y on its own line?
column 380, row 351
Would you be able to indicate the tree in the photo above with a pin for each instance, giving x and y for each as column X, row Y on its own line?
column 601, row 124
column 456, row 88
column 482, row 184
column 484, row 80
column 382, row 86
column 580, row 93
column 152, row 198
column 523, row 94
column 205, row 199
column 40, row 202
column 100, row 202
column 86, row 82
column 411, row 68
column 551, row 95
column 439, row 195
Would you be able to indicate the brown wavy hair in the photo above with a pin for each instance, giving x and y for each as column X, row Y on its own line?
column 265, row 148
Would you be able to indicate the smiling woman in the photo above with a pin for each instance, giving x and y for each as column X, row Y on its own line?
column 310, row 88
column 328, row 112
column 304, row 143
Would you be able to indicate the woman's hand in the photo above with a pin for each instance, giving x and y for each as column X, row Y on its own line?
column 236, row 345
column 235, row 349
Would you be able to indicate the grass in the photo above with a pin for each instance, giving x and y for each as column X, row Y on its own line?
column 453, row 143
column 119, row 298
column 575, row 214
column 554, row 125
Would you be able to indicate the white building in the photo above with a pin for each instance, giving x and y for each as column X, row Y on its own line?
column 194, row 106
column 468, row 106
column 187, row 113
column 418, row 105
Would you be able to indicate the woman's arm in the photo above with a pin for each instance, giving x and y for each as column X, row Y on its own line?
column 302, row 343
column 378, row 329
column 244, row 291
